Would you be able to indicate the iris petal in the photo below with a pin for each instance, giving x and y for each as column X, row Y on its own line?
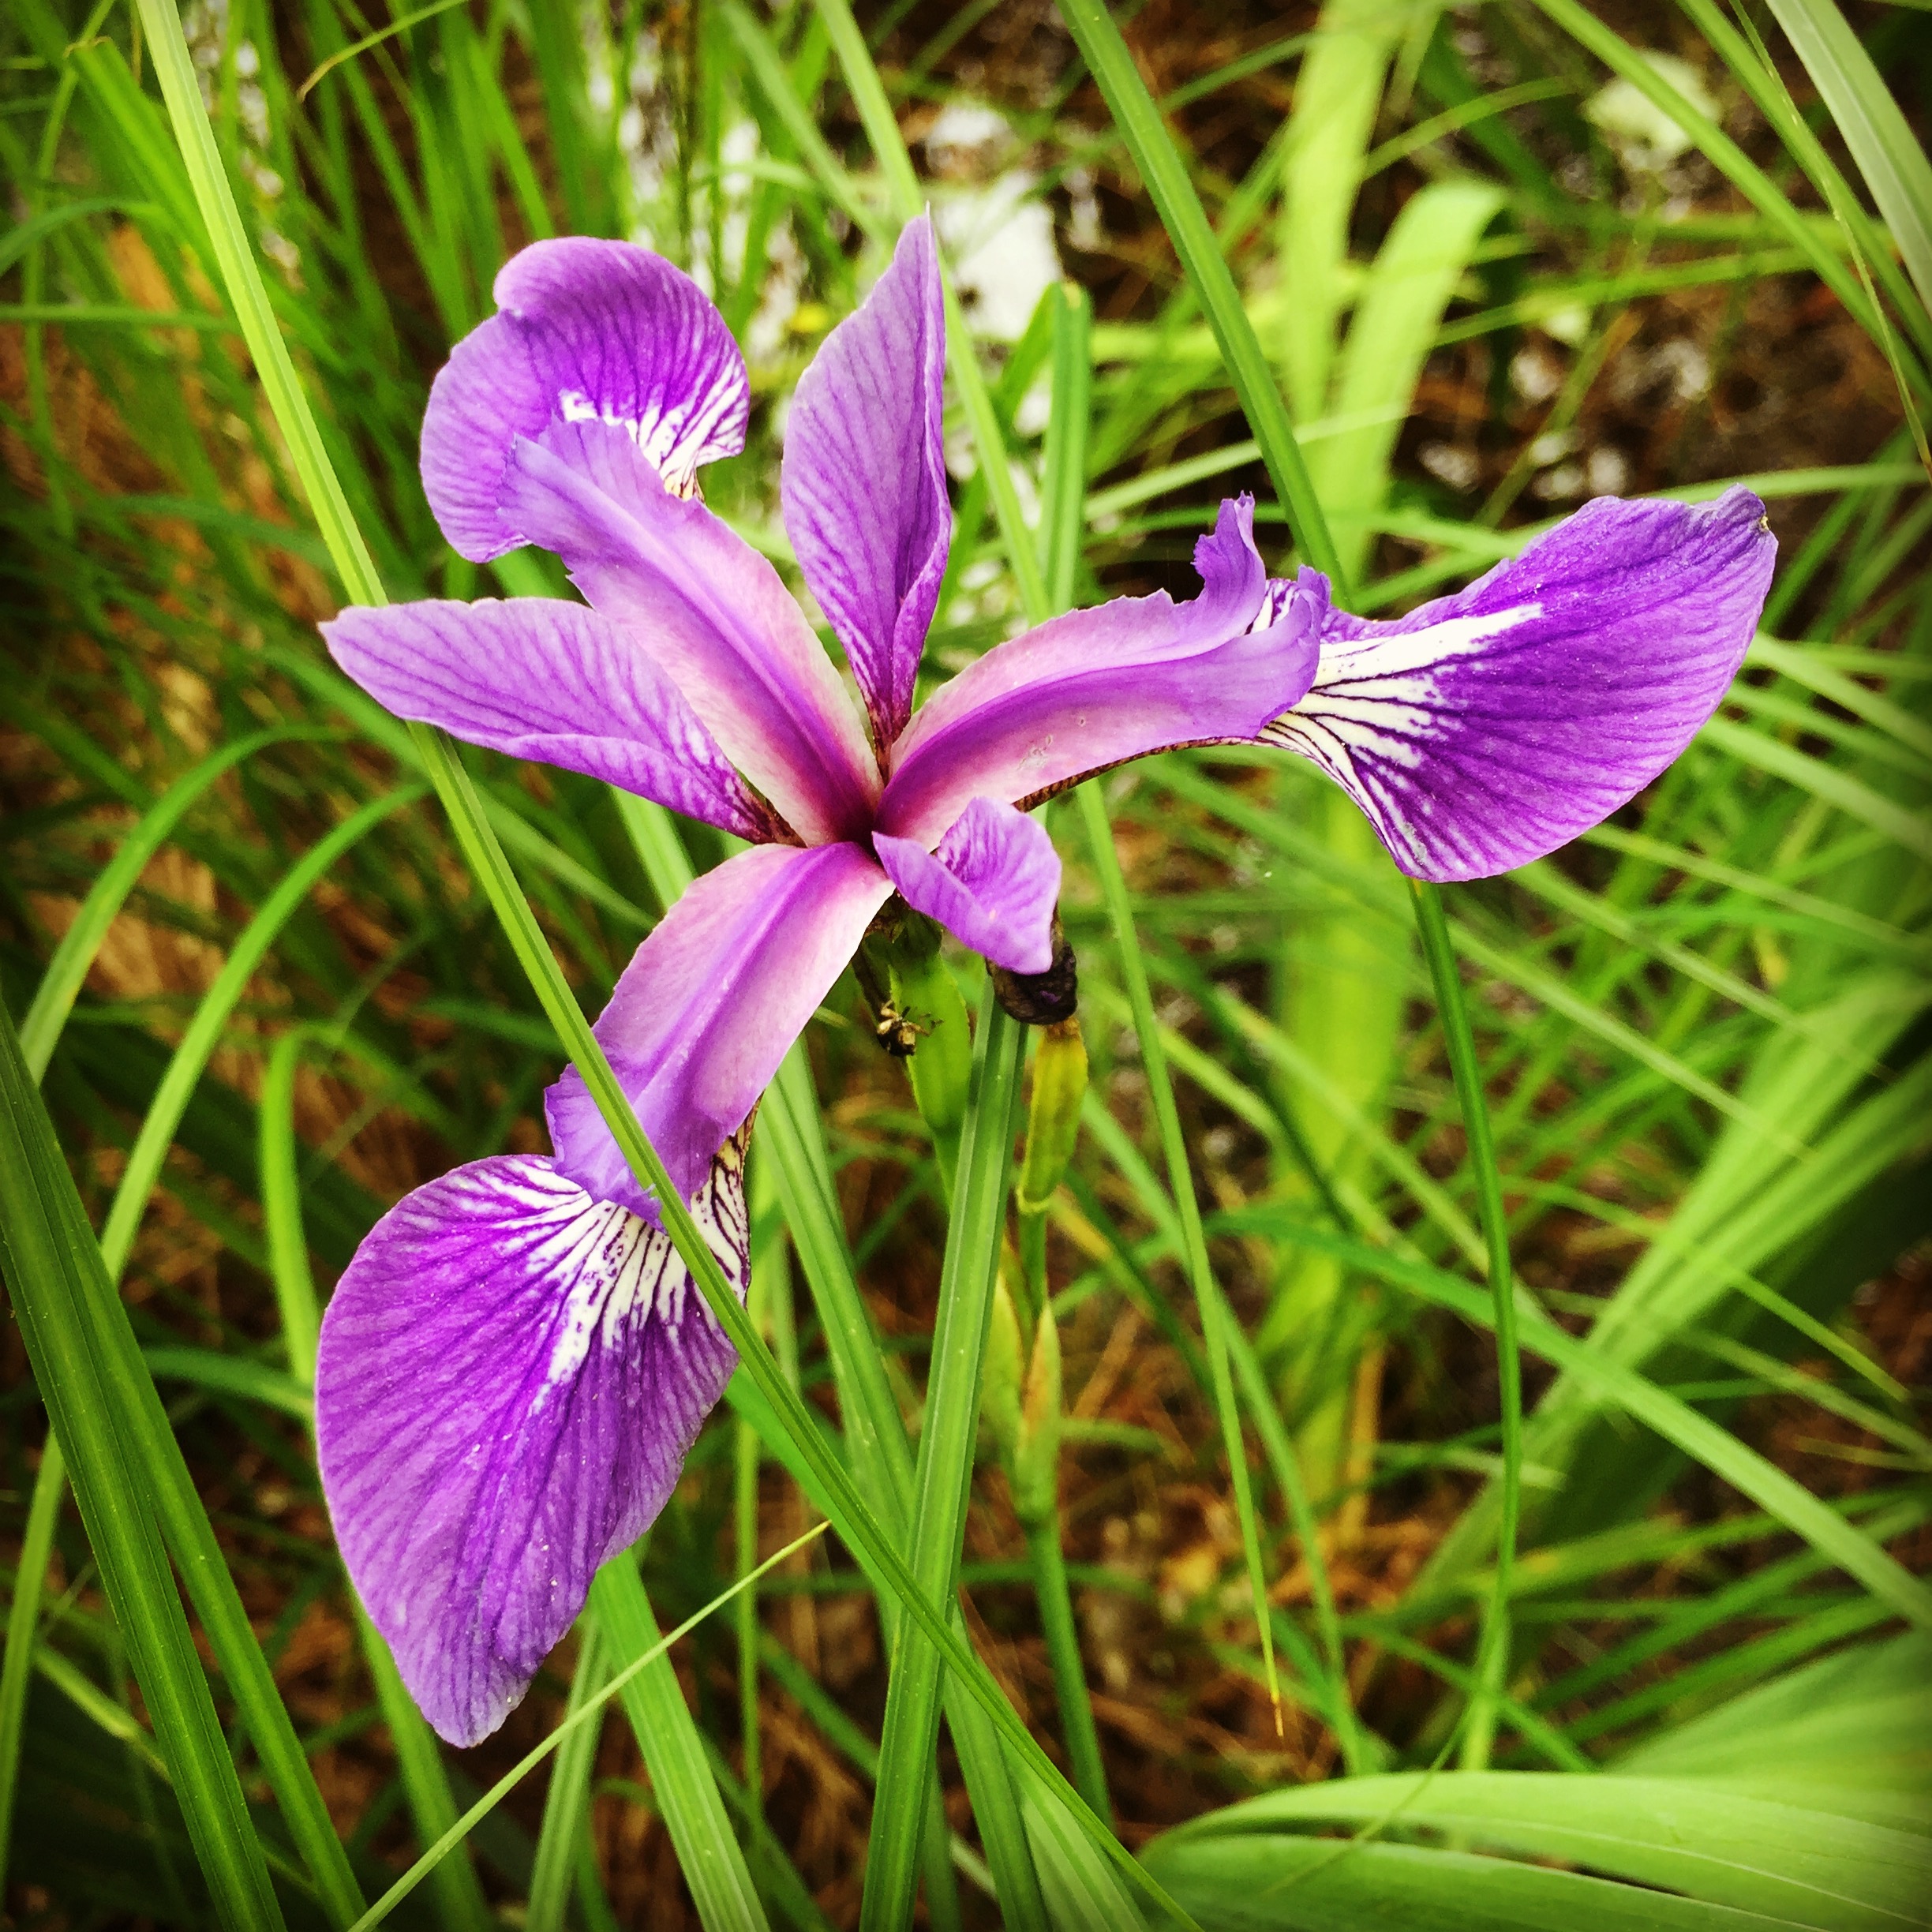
column 865, row 481
column 584, row 328
column 510, row 1376
column 992, row 883
column 710, row 1003
column 543, row 679
column 1487, row 728
column 686, row 587
column 1098, row 686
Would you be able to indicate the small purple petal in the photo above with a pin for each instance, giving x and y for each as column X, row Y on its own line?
column 865, row 479
column 992, row 883
column 713, row 611
column 543, row 679
column 710, row 1004
column 584, row 329
column 510, row 1376
column 1097, row 687
column 1488, row 728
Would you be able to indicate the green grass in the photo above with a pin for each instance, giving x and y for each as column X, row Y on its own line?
column 1524, row 1309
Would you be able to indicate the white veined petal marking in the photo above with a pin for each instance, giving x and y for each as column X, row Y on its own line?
column 1375, row 702
column 659, row 434
column 1349, row 660
column 621, row 1268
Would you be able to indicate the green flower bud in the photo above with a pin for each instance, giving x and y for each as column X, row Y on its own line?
column 1000, row 1388
column 1034, row 1470
column 1053, row 1116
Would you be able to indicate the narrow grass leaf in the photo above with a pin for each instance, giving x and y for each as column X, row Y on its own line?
column 1887, row 154
column 680, row 1774
column 1165, row 174
column 54, row 1277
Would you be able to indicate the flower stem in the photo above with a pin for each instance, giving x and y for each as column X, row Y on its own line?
column 1063, row 1652
column 944, row 1468
column 1493, row 1653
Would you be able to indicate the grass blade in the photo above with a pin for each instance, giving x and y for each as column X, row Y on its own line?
column 674, row 1754
column 56, row 1282
column 1887, row 154
column 1216, row 1317
column 1165, row 174
column 210, row 1021
column 589, row 1712
column 54, row 996
column 1492, row 1656
column 460, row 1904
column 567, row 1803
column 945, row 1467
column 23, row 1627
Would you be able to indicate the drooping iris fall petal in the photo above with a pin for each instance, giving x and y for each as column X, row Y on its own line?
column 709, row 1004
column 1489, row 728
column 864, row 481
column 510, row 1375
column 543, row 679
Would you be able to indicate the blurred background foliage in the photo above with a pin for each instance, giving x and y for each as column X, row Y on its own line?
column 1502, row 258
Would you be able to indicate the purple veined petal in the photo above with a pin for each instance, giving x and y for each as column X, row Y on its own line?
column 687, row 589
column 1488, row 728
column 864, row 485
column 992, row 883
column 710, row 1003
column 1098, row 686
column 543, row 679
column 510, row 1376
column 584, row 329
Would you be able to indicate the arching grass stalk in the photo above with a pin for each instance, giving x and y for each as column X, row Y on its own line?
column 1492, row 1655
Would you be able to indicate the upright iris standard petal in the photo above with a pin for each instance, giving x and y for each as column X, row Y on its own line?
column 584, row 329
column 510, row 1376
column 993, row 883
column 1488, row 728
column 1097, row 687
column 544, row 680
column 694, row 593
column 709, row 1004
column 864, row 485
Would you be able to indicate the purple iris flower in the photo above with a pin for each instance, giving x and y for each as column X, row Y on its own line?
column 515, row 1364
